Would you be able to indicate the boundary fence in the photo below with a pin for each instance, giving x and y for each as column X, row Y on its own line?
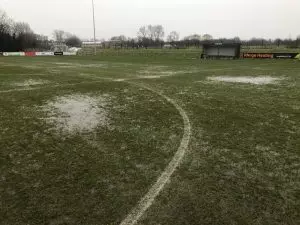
column 251, row 55
column 32, row 54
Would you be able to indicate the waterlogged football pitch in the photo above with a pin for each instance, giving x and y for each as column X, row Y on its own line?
column 149, row 140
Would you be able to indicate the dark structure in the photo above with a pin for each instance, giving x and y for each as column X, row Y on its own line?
column 221, row 50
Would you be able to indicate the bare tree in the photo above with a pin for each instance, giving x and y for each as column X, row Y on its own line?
column 119, row 41
column 20, row 28
column 298, row 41
column 193, row 37
column 152, row 32
column 59, row 35
column 120, row 38
column 142, row 33
column 43, row 42
column 18, row 36
column 73, row 41
column 237, row 39
column 68, row 35
column 173, row 36
column 26, row 38
column 278, row 41
column 5, row 22
column 150, row 35
column 207, row 37
column 156, row 32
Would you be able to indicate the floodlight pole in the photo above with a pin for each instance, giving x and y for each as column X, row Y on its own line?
column 94, row 25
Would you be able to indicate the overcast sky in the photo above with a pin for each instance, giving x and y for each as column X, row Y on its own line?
column 220, row 18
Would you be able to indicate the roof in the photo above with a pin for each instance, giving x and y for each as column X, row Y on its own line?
column 206, row 45
column 91, row 42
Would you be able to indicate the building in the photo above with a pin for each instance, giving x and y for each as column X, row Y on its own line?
column 59, row 47
column 221, row 50
column 92, row 43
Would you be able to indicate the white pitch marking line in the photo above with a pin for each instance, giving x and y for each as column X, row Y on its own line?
column 138, row 211
column 48, row 86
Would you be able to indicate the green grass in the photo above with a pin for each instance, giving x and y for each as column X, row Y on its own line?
column 242, row 165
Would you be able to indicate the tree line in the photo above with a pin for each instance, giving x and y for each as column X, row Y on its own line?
column 18, row 36
column 153, row 36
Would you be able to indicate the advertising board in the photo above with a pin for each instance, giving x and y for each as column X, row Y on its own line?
column 70, row 53
column 13, row 53
column 271, row 55
column 258, row 55
column 285, row 55
column 29, row 53
column 58, row 53
column 44, row 53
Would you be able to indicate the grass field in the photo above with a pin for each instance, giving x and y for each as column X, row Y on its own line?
column 83, row 139
column 191, row 53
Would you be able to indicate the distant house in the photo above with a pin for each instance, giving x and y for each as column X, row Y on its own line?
column 74, row 49
column 91, row 44
column 170, row 45
column 167, row 46
column 59, row 47
column 221, row 50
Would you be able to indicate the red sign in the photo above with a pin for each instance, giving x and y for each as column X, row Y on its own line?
column 29, row 53
column 259, row 55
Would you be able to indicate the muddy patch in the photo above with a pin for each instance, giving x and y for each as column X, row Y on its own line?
column 77, row 113
column 260, row 80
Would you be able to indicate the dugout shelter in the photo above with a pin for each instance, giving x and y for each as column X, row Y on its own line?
column 221, row 50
